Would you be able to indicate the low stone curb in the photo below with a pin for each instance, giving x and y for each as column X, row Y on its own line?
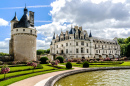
column 52, row 81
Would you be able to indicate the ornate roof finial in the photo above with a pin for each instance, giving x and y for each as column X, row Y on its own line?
column 25, row 5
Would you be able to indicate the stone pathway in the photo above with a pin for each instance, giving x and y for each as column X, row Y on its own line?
column 40, row 80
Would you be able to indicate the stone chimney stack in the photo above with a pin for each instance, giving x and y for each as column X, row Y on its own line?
column 31, row 18
column 80, row 28
column 76, row 27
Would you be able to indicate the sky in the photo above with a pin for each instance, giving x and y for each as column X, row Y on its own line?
column 105, row 18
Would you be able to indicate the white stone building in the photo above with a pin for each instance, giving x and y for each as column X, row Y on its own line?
column 77, row 44
column 22, row 44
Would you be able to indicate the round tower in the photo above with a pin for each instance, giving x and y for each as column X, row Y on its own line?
column 24, row 36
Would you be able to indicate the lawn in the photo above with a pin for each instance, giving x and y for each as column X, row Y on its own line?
column 26, row 73
column 92, row 65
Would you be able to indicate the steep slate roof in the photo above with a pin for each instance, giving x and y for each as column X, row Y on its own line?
column 54, row 36
column 90, row 35
column 102, row 39
column 24, row 21
column 15, row 18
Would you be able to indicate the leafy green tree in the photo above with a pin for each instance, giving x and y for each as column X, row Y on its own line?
column 121, row 40
column 128, row 50
column 3, row 54
column 40, row 51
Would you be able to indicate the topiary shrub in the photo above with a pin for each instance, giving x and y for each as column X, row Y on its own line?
column 85, row 64
column 60, row 58
column 68, row 65
column 43, row 60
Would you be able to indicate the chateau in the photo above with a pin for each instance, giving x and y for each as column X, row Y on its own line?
column 22, row 44
column 78, row 44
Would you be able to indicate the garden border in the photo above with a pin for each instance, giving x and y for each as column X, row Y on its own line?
column 54, row 79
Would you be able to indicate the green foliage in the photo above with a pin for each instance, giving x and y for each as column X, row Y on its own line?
column 68, row 65
column 60, row 58
column 3, row 54
column 40, row 51
column 44, row 60
column 85, row 64
column 124, row 46
column 39, row 66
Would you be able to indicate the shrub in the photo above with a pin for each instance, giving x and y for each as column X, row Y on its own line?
column 85, row 64
column 1, row 63
column 78, row 62
column 68, row 65
column 60, row 58
column 39, row 66
column 43, row 60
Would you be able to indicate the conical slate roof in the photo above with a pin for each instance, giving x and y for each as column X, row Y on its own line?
column 24, row 21
column 90, row 35
column 15, row 18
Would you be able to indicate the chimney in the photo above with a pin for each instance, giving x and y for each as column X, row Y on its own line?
column 80, row 28
column 31, row 18
column 76, row 27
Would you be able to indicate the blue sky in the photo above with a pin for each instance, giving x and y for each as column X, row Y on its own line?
column 9, row 7
column 105, row 18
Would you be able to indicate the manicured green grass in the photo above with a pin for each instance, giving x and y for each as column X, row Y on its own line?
column 12, row 80
column 92, row 65
column 28, row 73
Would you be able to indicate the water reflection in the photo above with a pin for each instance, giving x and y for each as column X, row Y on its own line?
column 97, row 78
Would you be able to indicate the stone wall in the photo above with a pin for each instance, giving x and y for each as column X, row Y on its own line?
column 24, row 47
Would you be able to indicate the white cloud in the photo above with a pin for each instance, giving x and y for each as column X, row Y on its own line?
column 3, row 22
column 35, row 6
column 4, row 45
column 42, row 44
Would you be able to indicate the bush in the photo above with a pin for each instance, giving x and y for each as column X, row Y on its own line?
column 43, row 60
column 68, row 65
column 60, row 58
column 85, row 64
column 39, row 66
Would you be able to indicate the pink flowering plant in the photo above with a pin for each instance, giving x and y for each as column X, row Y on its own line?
column 5, row 70
column 34, row 65
column 55, row 63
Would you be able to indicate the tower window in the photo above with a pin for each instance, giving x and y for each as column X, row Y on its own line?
column 23, row 29
column 66, row 50
column 30, row 31
column 82, row 42
column 87, row 50
column 66, row 44
column 77, row 51
column 16, row 29
column 82, row 51
column 76, row 43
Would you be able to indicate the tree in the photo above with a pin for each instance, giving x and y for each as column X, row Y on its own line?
column 40, row 51
column 128, row 50
column 3, row 54
column 121, row 40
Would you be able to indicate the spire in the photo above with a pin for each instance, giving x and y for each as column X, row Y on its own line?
column 15, row 18
column 25, row 10
column 90, row 35
column 54, row 36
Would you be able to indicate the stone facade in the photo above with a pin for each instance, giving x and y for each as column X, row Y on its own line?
column 77, row 44
column 23, row 38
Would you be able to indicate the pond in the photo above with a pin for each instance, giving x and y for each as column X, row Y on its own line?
column 97, row 78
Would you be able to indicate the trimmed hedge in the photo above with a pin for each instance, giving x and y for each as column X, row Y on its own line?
column 43, row 60
column 85, row 64
column 60, row 58
column 68, row 65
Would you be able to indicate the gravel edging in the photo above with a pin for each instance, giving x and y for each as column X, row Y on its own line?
column 52, row 80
